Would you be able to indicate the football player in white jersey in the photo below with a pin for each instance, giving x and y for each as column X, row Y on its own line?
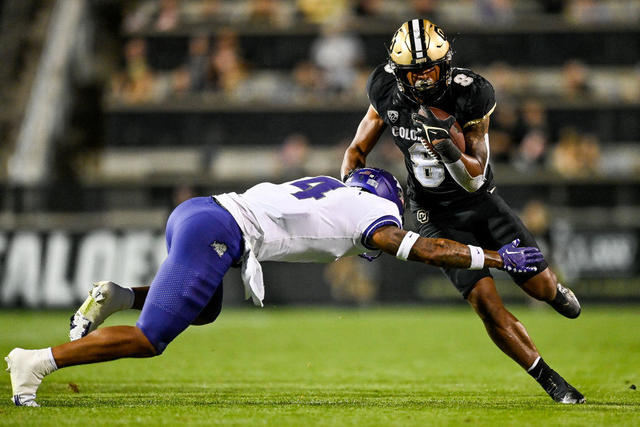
column 313, row 219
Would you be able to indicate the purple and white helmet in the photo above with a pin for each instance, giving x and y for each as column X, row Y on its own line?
column 379, row 182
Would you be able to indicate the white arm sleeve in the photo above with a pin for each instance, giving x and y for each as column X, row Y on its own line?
column 459, row 172
column 461, row 175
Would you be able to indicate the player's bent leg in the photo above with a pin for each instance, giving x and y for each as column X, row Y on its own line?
column 29, row 367
column 212, row 310
column 502, row 326
column 544, row 286
column 104, row 344
column 512, row 338
column 105, row 298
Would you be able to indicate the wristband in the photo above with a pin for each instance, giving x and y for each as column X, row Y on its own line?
column 448, row 151
column 405, row 246
column 477, row 258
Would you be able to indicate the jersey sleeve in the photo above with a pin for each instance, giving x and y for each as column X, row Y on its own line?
column 371, row 228
column 378, row 88
column 479, row 96
column 378, row 212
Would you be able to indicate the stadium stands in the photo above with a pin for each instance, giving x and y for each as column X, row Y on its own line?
column 203, row 96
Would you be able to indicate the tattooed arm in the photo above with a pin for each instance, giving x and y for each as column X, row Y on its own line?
column 438, row 252
column 467, row 168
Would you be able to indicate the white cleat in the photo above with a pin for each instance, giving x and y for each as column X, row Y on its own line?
column 28, row 368
column 104, row 299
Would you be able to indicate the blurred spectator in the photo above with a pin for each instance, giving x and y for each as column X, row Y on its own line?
column 427, row 9
column 532, row 134
column 322, row 11
column 576, row 154
column 575, row 80
column 535, row 217
column 227, row 69
column 197, row 62
column 270, row 13
column 367, row 8
column 294, row 154
column 180, row 81
column 588, row 11
column 339, row 54
column 504, row 122
column 503, row 78
column 495, row 11
column 532, row 150
column 138, row 16
column 309, row 84
column 136, row 83
column 168, row 15
column 182, row 193
column 197, row 11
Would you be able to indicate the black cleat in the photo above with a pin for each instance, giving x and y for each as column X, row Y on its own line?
column 561, row 391
column 566, row 302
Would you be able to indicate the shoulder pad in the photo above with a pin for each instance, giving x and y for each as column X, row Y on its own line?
column 474, row 95
column 381, row 87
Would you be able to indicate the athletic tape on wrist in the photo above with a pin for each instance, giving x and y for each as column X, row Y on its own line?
column 407, row 243
column 477, row 258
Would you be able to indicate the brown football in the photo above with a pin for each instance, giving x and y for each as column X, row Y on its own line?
column 455, row 131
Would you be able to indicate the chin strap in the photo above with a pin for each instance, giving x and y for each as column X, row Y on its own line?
column 370, row 257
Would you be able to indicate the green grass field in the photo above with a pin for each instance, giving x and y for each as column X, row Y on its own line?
column 311, row 366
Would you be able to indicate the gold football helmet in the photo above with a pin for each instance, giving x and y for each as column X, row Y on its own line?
column 420, row 58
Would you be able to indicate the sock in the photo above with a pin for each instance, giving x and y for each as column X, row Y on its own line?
column 534, row 364
column 539, row 370
column 549, row 380
column 129, row 302
column 52, row 365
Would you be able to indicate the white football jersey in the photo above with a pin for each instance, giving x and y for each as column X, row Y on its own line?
column 312, row 219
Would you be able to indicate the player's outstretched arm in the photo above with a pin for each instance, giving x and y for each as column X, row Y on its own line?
column 367, row 135
column 451, row 254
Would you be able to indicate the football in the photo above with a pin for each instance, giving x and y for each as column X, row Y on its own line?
column 455, row 131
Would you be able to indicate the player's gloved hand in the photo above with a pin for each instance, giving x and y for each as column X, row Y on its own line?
column 430, row 127
column 519, row 260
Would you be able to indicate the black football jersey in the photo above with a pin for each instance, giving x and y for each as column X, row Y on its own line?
column 469, row 97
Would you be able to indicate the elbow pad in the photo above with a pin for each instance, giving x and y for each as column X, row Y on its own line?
column 460, row 174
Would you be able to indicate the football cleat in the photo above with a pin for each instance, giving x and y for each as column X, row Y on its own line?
column 27, row 368
column 561, row 391
column 104, row 299
column 565, row 302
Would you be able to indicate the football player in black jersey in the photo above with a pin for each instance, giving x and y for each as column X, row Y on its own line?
column 452, row 192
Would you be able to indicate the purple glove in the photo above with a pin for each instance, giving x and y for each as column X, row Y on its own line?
column 519, row 260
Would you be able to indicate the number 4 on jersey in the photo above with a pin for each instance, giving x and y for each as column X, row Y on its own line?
column 315, row 187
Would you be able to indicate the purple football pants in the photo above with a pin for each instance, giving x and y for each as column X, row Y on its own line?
column 203, row 241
